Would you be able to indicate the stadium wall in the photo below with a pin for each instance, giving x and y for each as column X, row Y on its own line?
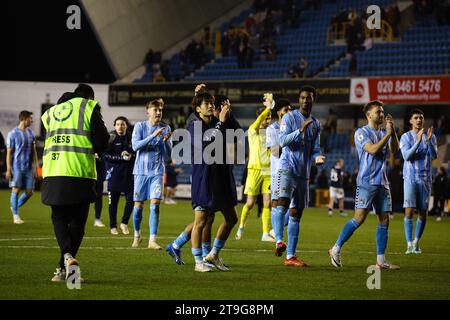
column 128, row 29
column 17, row 96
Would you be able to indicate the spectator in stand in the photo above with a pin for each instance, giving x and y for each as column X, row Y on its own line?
column 268, row 28
column 298, row 70
column 393, row 17
column 157, row 73
column 149, row 58
column 342, row 19
column 207, row 37
column 199, row 57
column 165, row 70
column 153, row 63
column 269, row 51
column 233, row 36
column 225, row 44
column 332, row 120
column 250, row 25
column 190, row 51
column 245, row 55
column 184, row 63
column 351, row 36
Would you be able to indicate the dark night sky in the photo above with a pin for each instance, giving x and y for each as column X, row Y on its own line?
column 37, row 46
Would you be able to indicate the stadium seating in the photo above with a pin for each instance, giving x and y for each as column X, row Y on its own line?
column 309, row 40
column 339, row 148
column 423, row 50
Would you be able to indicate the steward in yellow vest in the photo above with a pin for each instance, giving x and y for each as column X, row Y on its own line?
column 75, row 131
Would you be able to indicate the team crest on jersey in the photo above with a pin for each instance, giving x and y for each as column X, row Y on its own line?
column 360, row 137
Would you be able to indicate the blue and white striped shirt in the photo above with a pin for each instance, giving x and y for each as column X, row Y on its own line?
column 372, row 168
column 151, row 151
column 299, row 150
column 272, row 140
column 418, row 156
column 21, row 143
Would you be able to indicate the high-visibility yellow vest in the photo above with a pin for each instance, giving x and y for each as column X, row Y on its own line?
column 68, row 150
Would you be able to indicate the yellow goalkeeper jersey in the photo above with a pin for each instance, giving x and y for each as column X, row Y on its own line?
column 259, row 154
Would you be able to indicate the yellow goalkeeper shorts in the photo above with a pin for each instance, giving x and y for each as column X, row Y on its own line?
column 257, row 183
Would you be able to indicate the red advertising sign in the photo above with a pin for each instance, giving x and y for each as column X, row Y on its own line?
column 410, row 89
column 401, row 89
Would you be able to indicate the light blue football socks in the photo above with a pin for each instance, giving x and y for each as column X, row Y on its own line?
column 347, row 232
column 293, row 232
column 137, row 219
column 154, row 220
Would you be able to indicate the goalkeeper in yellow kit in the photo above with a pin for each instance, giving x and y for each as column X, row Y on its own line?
column 258, row 177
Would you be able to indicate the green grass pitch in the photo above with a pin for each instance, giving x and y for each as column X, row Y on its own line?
column 114, row 270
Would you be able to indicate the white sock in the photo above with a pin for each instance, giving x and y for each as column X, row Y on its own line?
column 380, row 258
column 336, row 249
column 153, row 237
column 265, row 235
column 137, row 233
column 409, row 243
column 288, row 256
column 67, row 256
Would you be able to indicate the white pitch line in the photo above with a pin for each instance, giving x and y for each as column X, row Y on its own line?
column 84, row 238
column 225, row 249
column 164, row 237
